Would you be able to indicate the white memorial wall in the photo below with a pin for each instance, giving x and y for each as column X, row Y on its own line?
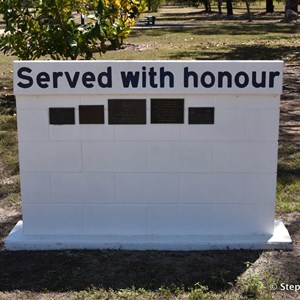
column 178, row 155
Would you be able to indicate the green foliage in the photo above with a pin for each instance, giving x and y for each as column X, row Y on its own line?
column 199, row 292
column 7, row 105
column 258, row 285
column 14, row 199
column 39, row 28
column 129, row 293
column 252, row 286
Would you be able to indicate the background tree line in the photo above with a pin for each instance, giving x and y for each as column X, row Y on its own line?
column 154, row 5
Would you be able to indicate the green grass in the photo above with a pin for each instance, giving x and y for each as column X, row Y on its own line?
column 288, row 181
column 9, row 163
column 252, row 286
column 220, row 41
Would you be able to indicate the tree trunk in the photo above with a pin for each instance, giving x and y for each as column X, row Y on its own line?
column 220, row 6
column 291, row 10
column 149, row 4
column 269, row 6
column 248, row 10
column 229, row 7
column 207, row 6
column 292, row 4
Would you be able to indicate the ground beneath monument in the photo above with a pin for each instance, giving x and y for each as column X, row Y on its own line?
column 65, row 271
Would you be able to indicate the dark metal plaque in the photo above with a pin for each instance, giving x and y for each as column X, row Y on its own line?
column 126, row 111
column 201, row 115
column 167, row 111
column 62, row 115
column 91, row 114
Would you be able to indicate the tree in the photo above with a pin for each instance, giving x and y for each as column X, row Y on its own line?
column 291, row 10
column 248, row 10
column 207, row 6
column 229, row 7
column 39, row 28
column 292, row 5
column 269, row 6
column 220, row 7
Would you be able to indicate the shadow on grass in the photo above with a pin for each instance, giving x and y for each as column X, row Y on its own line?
column 79, row 270
column 221, row 29
column 244, row 52
column 265, row 52
column 214, row 16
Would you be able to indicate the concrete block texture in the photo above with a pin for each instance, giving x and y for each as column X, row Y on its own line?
column 180, row 179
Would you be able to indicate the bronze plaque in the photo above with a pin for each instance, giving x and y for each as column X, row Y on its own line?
column 126, row 111
column 91, row 114
column 167, row 111
column 201, row 115
column 62, row 115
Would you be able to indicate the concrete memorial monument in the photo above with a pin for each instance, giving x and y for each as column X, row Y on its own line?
column 176, row 155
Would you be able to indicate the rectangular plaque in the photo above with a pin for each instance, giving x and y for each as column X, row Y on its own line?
column 91, row 114
column 201, row 115
column 126, row 111
column 167, row 111
column 62, row 115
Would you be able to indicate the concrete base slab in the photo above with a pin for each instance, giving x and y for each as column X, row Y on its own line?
column 280, row 240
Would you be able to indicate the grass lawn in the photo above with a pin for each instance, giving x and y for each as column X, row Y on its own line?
column 168, row 275
column 214, row 41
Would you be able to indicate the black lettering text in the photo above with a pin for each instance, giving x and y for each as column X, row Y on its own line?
column 41, row 78
column 87, row 79
column 260, row 84
column 105, row 79
column 221, row 76
column 152, row 75
column 72, row 81
column 204, row 82
column 187, row 74
column 163, row 74
column 272, row 77
column 56, row 75
column 144, row 77
column 21, row 75
column 237, row 79
column 130, row 79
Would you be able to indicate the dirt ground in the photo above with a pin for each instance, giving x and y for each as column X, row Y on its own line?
column 65, row 271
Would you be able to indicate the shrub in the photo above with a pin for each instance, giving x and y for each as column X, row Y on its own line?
column 39, row 28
